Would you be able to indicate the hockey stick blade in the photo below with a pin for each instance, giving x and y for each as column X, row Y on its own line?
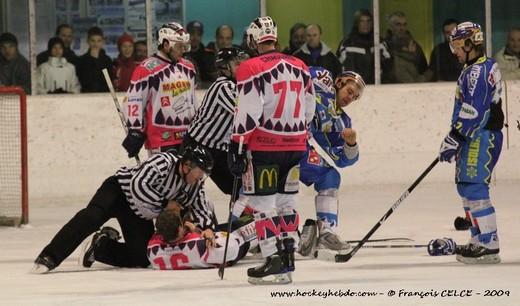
column 347, row 257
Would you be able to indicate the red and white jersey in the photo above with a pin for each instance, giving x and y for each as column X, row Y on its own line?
column 276, row 103
column 161, row 100
column 191, row 252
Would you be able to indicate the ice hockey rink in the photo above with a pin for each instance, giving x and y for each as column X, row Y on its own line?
column 72, row 148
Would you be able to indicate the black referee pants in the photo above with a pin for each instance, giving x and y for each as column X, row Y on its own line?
column 108, row 202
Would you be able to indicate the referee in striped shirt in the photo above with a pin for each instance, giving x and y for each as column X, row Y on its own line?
column 135, row 196
column 213, row 122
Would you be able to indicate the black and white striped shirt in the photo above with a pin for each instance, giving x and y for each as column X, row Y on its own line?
column 213, row 123
column 149, row 187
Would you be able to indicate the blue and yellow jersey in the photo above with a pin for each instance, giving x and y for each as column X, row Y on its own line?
column 329, row 120
column 477, row 98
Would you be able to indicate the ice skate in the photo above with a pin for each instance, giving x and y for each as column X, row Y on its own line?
column 43, row 264
column 271, row 272
column 308, row 238
column 474, row 254
column 329, row 244
column 86, row 258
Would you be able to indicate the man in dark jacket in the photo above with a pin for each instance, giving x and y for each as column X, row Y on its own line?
column 408, row 60
column 14, row 68
column 65, row 32
column 443, row 63
column 316, row 53
column 202, row 58
column 91, row 64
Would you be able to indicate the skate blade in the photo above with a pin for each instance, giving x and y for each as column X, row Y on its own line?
column 276, row 279
column 329, row 255
column 482, row 260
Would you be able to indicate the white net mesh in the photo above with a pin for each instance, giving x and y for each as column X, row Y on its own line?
column 11, row 191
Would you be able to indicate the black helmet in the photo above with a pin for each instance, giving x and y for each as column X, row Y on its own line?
column 199, row 156
column 226, row 55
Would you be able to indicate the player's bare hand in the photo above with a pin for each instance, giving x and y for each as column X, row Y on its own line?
column 190, row 227
column 209, row 236
column 349, row 135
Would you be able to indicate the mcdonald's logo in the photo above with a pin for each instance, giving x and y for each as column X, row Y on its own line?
column 269, row 176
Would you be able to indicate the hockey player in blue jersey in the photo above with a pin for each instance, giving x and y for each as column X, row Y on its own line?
column 332, row 131
column 475, row 140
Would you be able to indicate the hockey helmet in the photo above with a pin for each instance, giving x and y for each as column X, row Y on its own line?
column 350, row 76
column 199, row 156
column 226, row 55
column 466, row 34
column 174, row 33
column 262, row 29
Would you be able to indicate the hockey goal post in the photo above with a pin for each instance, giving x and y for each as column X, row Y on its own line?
column 14, row 198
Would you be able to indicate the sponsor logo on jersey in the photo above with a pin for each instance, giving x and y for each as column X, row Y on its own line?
column 165, row 101
column 267, row 178
column 323, row 80
column 152, row 64
column 473, row 78
column 293, row 179
column 474, row 148
column 467, row 111
column 176, row 88
column 494, row 75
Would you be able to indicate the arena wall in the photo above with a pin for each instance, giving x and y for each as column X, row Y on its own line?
column 74, row 140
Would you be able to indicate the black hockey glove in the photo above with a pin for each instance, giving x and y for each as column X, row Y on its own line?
column 133, row 142
column 237, row 163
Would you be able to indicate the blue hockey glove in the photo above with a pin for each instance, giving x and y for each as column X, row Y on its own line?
column 444, row 246
column 450, row 146
column 133, row 142
column 237, row 163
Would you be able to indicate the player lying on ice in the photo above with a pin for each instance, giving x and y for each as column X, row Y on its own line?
column 178, row 244
column 332, row 131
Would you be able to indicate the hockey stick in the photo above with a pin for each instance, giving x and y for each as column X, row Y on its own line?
column 348, row 256
column 390, row 246
column 231, row 204
column 383, row 240
column 118, row 107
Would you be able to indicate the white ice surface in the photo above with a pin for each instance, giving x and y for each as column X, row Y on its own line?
column 427, row 213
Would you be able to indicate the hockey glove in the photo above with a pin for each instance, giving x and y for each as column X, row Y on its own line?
column 237, row 163
column 133, row 142
column 450, row 146
column 444, row 246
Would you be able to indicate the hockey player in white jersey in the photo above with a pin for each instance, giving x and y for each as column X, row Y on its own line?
column 160, row 102
column 275, row 106
column 333, row 136
column 178, row 244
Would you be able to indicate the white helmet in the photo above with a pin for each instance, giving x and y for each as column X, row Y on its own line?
column 262, row 29
column 174, row 33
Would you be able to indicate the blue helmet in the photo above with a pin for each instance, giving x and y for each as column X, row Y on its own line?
column 466, row 34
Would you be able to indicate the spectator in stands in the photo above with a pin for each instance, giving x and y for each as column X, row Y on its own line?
column 14, row 68
column 444, row 65
column 408, row 60
column 508, row 58
column 140, row 51
column 56, row 75
column 202, row 58
column 296, row 38
column 356, row 51
column 125, row 63
column 91, row 64
column 316, row 53
column 223, row 38
column 65, row 32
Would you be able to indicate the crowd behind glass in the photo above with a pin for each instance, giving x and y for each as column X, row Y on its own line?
column 61, row 70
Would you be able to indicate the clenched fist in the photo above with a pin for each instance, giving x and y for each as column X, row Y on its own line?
column 349, row 135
